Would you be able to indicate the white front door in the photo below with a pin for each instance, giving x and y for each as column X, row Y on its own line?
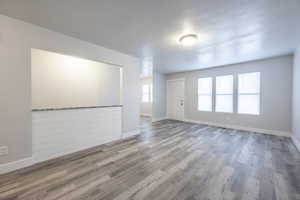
column 175, row 99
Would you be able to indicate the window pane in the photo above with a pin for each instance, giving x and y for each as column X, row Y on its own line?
column 205, row 94
column 224, row 84
column 249, row 104
column 249, row 93
column 151, row 93
column 145, row 97
column 145, row 93
column 205, row 102
column 249, row 83
column 224, row 93
column 205, row 85
column 145, row 89
column 224, row 103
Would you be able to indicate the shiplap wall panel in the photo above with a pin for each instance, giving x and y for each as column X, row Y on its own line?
column 60, row 132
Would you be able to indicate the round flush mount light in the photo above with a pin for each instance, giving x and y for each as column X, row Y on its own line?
column 188, row 40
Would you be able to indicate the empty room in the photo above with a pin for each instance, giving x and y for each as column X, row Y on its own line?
column 150, row 100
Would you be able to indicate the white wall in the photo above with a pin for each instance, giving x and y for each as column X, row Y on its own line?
column 146, row 107
column 60, row 81
column 159, row 96
column 276, row 95
column 16, row 40
column 296, row 96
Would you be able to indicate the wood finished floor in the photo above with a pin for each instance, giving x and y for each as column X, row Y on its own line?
column 171, row 160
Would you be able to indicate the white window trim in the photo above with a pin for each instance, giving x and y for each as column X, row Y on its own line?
column 206, row 94
column 148, row 93
column 232, row 94
column 259, row 94
column 235, row 94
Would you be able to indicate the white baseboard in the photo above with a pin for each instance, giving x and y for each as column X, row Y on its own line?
column 296, row 142
column 27, row 162
column 146, row 115
column 159, row 119
column 131, row 134
column 12, row 166
column 256, row 130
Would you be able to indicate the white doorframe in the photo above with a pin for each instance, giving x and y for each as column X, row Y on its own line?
column 174, row 80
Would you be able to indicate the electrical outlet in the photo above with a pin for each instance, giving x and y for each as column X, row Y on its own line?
column 3, row 150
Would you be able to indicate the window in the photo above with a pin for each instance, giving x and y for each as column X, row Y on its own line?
column 151, row 96
column 224, row 94
column 205, row 94
column 146, row 93
column 249, row 93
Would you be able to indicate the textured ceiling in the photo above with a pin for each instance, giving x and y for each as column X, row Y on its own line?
column 230, row 31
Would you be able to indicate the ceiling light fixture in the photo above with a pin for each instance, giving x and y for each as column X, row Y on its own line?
column 188, row 40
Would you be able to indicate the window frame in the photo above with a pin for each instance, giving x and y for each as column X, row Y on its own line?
column 148, row 93
column 238, row 94
column 232, row 94
column 206, row 94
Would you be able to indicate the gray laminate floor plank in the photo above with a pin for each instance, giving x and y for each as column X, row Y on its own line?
column 170, row 160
